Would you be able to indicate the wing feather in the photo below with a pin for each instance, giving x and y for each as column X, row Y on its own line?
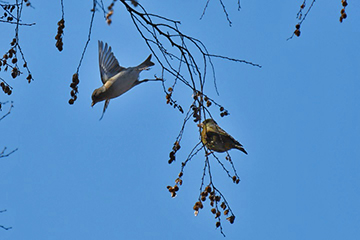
column 109, row 65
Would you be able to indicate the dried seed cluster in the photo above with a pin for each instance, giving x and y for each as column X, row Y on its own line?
column 215, row 200
column 110, row 13
column 231, row 219
column 170, row 101
column 297, row 30
column 10, row 55
column 8, row 9
column 196, row 113
column 168, row 96
column 299, row 16
column 223, row 112
column 207, row 100
column 10, row 61
column 236, row 179
column 175, row 148
column 134, row 3
column 196, row 110
column 74, row 86
column 28, row 4
column 175, row 188
column 6, row 88
column 60, row 32
column 342, row 12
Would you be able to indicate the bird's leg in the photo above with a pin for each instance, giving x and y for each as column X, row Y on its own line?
column 208, row 153
column 146, row 80
column 106, row 104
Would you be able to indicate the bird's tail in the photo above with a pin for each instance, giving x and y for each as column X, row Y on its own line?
column 241, row 148
column 146, row 64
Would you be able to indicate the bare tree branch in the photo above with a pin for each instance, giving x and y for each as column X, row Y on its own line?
column 224, row 10
column 9, row 111
column 185, row 59
column 75, row 79
column 20, row 24
column 6, row 228
column 3, row 154
column 12, row 15
column 301, row 17
column 1, row 226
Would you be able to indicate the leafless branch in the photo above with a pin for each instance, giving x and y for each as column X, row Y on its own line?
column 9, row 111
column 89, row 36
column 62, row 9
column 224, row 10
column 301, row 17
column 1, row 226
column 20, row 24
column 3, row 154
column 235, row 60
column 75, row 79
column 12, row 15
column 186, row 60
column 6, row 228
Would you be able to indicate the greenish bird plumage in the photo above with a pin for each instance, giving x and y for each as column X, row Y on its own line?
column 216, row 139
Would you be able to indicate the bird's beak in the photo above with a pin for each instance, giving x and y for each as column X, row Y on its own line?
column 92, row 104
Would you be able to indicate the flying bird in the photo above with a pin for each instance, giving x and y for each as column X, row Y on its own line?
column 115, row 78
column 216, row 139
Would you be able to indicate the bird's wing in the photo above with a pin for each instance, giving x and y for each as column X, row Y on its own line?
column 109, row 65
column 233, row 140
column 212, row 136
column 221, row 131
column 222, row 134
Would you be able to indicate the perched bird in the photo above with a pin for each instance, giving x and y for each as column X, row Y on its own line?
column 116, row 79
column 215, row 138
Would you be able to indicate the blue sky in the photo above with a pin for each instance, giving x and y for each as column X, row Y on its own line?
column 298, row 118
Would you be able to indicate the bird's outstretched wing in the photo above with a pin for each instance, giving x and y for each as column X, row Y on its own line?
column 109, row 65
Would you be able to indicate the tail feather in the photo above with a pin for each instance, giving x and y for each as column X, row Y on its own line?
column 146, row 64
column 241, row 148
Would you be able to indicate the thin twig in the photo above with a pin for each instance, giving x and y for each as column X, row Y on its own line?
column 6, row 228
column 20, row 24
column 9, row 111
column 301, row 17
column 89, row 36
column 2, row 154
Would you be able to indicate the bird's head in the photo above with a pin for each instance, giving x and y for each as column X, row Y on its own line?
column 96, row 96
column 208, row 122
